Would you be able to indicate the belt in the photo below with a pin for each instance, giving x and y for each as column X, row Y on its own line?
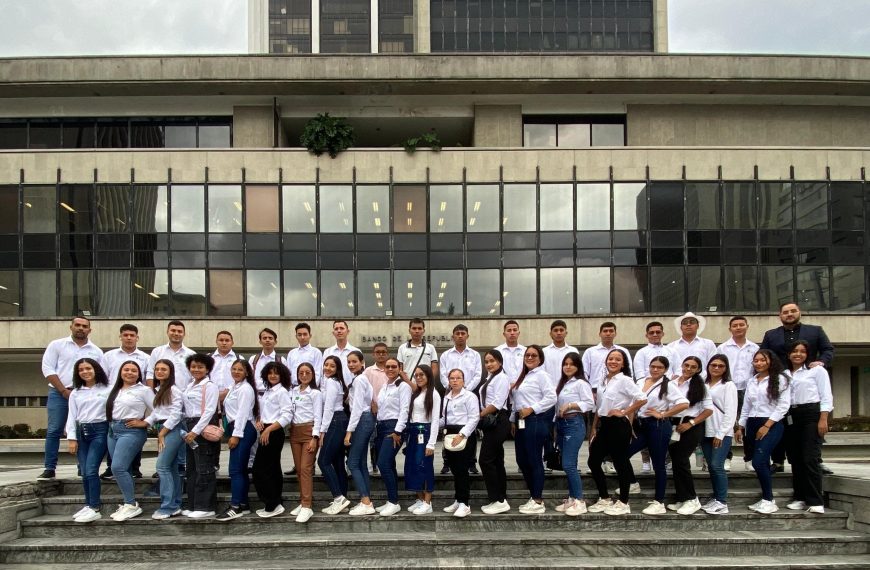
column 294, row 424
column 811, row 405
column 571, row 415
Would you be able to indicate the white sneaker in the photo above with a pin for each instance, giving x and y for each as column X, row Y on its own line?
column 655, row 508
column 576, row 509
column 727, row 465
column 462, row 511
column 600, row 506
column 709, row 503
column 362, row 509
column 498, row 507
column 390, row 509
column 304, row 515
column 816, row 509
column 413, row 507
column 207, row 514
column 186, row 512
column 717, row 509
column 563, row 506
column 382, row 507
column 608, row 467
column 452, row 508
column 82, row 511
column 534, row 509
column 634, row 489
column 91, row 515
column 754, row 506
column 797, row 506
column 646, row 467
column 747, row 465
column 424, row 509
column 336, row 506
column 767, row 507
column 296, row 511
column 690, row 507
column 159, row 516
column 526, row 504
column 127, row 512
column 617, row 508
column 675, row 506
column 263, row 513
column 117, row 511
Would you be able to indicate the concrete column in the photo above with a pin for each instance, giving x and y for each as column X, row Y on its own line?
column 660, row 26
column 422, row 31
column 375, row 22
column 498, row 125
column 315, row 26
column 258, row 26
column 253, row 127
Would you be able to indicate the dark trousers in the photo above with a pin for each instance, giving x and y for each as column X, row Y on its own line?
column 681, row 454
column 458, row 461
column 201, row 472
column 804, row 448
column 529, row 443
column 267, row 475
column 492, row 458
column 760, row 450
column 612, row 439
column 654, row 434
column 740, row 395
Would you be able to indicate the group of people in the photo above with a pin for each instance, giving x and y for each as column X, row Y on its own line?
column 666, row 402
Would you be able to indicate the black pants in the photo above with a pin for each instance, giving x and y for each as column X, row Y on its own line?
column 681, row 454
column 267, row 475
column 492, row 458
column 611, row 439
column 201, row 472
column 804, row 448
column 740, row 395
column 458, row 462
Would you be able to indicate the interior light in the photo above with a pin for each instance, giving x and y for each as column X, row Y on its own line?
column 375, row 207
column 342, row 285
column 67, row 207
column 410, row 206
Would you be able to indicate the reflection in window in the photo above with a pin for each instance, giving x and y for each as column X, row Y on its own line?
column 593, row 290
column 574, row 135
column 847, row 205
column 482, row 208
column 409, row 209
column 224, row 209
column 180, row 136
column 214, row 136
column 813, row 288
column 593, row 206
column 629, row 206
column 225, row 293
column 188, row 292
column 410, row 292
column 74, row 208
column 775, row 286
column 448, row 282
column 299, row 209
column 9, row 209
column 113, row 293
column 40, row 291
column 187, row 208
column 739, row 205
column 9, row 300
column 374, row 293
column 605, row 134
column 300, row 293
column 741, row 288
column 666, row 206
column 704, row 288
column 557, row 291
column 668, row 294
column 336, row 209
column 629, row 289
column 150, row 292
column 75, row 292
column 520, row 291
column 373, row 209
column 702, row 206
column 520, row 207
column 484, row 292
column 539, row 135
column 39, row 211
column 811, row 205
column 557, row 207
column 264, row 293
column 336, row 293
column 111, row 208
column 150, row 208
column 774, row 205
column 261, row 208
column 445, row 208
column 849, row 292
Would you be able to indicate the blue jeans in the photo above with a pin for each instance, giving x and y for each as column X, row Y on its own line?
column 760, row 452
column 419, row 467
column 570, row 435
column 654, row 434
column 529, row 443
column 357, row 460
column 57, row 408
column 387, row 459
column 167, row 470
column 91, row 448
column 124, row 444
column 240, row 483
column 331, row 458
column 715, row 457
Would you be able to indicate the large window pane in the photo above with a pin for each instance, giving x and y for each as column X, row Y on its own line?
column 575, row 135
column 557, row 291
column 75, row 292
column 668, row 294
column 850, row 293
column 445, row 208
column 847, row 205
column 741, row 288
column 774, row 205
column 299, row 209
column 373, row 209
column 336, row 209
column 178, row 136
column 482, row 208
column 629, row 206
column 410, row 292
column 520, row 207
column 9, row 209
column 449, row 282
column 151, row 292
column 666, row 205
column 214, row 136
column 187, row 208
column 9, row 299
column 520, row 292
column 409, row 209
column 593, row 206
column 704, row 288
column 188, row 292
column 373, row 293
column 336, row 293
column 702, row 205
column 74, row 208
column 776, row 286
column 224, row 209
column 740, row 206
column 40, row 214
column 264, row 293
column 557, row 207
column 40, row 291
column 111, row 209
column 629, row 290
column 608, row 135
column 225, row 293
column 813, row 288
column 484, row 292
column 593, row 290
column 539, row 135
column 113, row 293
column 150, row 208
column 300, row 293
column 811, row 205
column 261, row 208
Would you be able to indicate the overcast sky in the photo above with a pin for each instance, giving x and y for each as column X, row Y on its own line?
column 84, row 27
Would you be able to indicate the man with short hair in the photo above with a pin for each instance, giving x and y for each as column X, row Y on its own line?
column 305, row 352
column 377, row 377
column 176, row 352
column 555, row 352
column 57, row 367
column 689, row 326
column 342, row 347
column 417, row 351
column 740, row 352
column 267, row 339
column 511, row 350
column 655, row 334
column 224, row 357
column 463, row 357
column 594, row 357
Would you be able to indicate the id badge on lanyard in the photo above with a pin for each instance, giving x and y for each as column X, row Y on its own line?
column 521, row 424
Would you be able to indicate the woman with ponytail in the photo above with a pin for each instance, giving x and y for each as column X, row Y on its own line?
column 574, row 401
column 493, row 393
column 422, row 433
column 394, row 400
column 333, row 427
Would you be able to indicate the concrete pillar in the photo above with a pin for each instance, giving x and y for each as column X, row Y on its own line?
column 258, row 26
column 375, row 22
column 498, row 125
column 422, row 32
column 315, row 26
column 660, row 26
column 253, row 127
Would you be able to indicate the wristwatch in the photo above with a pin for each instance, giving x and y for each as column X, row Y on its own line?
column 692, row 422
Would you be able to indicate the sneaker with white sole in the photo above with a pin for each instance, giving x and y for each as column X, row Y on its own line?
column 304, row 514
column 655, row 508
column 295, row 512
column 599, row 506
column 816, row 509
column 727, row 465
column 576, row 509
column 498, row 507
column 675, row 506
column 618, row 508
column 718, row 509
column 229, row 514
column 337, row 505
column 413, row 507
column 796, row 506
column 646, row 467
column 462, row 511
column 534, row 509
column 90, row 516
column 767, row 507
column 634, row 488
column 563, row 506
column 207, row 514
column 608, row 467
column 263, row 513
column 708, row 503
column 424, row 509
column 160, row 515
column 754, row 506
column 185, row 512
column 390, row 509
column 81, row 511
column 362, row 510
column 690, row 507
column 127, row 512
column 747, row 466
column 452, row 507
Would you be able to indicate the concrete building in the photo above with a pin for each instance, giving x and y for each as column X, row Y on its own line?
column 587, row 186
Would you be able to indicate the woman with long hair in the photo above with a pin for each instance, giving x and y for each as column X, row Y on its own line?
column 573, row 401
column 767, row 399
column 359, row 431
column 307, row 408
column 333, row 427
column 393, row 401
column 200, row 409
column 276, row 413
column 129, row 402
column 618, row 398
column 459, row 420
column 718, row 429
column 87, row 431
column 534, row 403
column 241, row 408
column 811, row 403
column 495, row 424
column 422, row 433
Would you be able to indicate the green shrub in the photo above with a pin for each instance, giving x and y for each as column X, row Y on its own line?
column 327, row 134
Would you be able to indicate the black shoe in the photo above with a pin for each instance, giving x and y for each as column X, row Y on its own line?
column 445, row 470
column 825, row 469
column 47, row 475
column 137, row 474
column 291, row 472
column 156, row 476
column 244, row 509
column 776, row 468
column 473, row 470
column 374, row 469
column 107, row 475
column 229, row 514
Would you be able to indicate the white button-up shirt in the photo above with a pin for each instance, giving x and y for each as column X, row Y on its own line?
column 394, row 403
column 333, row 400
column 61, row 354
column 513, row 360
column 724, row 397
column 342, row 354
column 419, row 416
column 811, row 385
column 276, row 406
column 309, row 354
column 693, row 411
column 239, row 406
column 594, row 359
column 113, row 359
column 756, row 403
column 703, row 348
column 495, row 392
column 644, row 356
column 177, row 357
column 261, row 361
column 462, row 409
column 739, row 360
column 307, row 406
column 553, row 356
column 673, row 397
column 576, row 391
column 133, row 403
column 170, row 414
column 221, row 374
column 536, row 392
column 617, row 393
column 468, row 361
column 86, row 405
column 193, row 403
column 409, row 355
column 360, row 400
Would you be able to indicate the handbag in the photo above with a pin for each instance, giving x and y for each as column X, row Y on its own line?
column 487, row 422
column 553, row 458
column 212, row 432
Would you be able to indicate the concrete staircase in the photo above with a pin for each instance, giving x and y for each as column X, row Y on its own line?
column 741, row 539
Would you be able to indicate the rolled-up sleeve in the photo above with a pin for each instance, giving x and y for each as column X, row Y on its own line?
column 472, row 410
column 210, row 394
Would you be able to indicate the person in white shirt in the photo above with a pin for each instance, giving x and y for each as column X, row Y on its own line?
column 416, row 351
column 333, row 427
column 422, row 433
column 805, row 428
column 267, row 339
column 555, row 352
column 511, row 350
column 201, row 401
column 689, row 326
column 393, row 404
column 534, row 405
column 57, row 368
column 276, row 413
column 459, row 420
column 655, row 333
column 129, row 402
column 467, row 359
column 740, row 351
column 718, row 430
column 768, row 397
column 174, row 351
column 341, row 348
column 307, row 406
column 495, row 424
column 377, row 377
column 594, row 357
column 87, row 431
column 360, row 427
column 305, row 353
column 224, row 358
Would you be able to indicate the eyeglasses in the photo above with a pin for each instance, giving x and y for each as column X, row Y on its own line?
column 390, row 366
column 656, row 367
column 531, row 356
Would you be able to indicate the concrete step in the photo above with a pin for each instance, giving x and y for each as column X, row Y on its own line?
column 110, row 547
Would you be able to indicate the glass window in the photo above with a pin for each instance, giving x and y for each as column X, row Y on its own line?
column 374, row 293
column 849, row 290
column 813, row 288
column 336, row 209
column 75, row 292
column 702, row 205
column 668, row 293
column 557, row 291
column 574, row 135
column 484, row 292
column 520, row 207
column 482, row 208
column 741, row 288
column 535, row 135
column 336, row 293
column 739, row 205
column 40, row 214
column 520, row 292
column 299, row 209
column 261, row 208
column 593, row 290
column 187, row 208
column 557, row 207
column 409, row 209
column 150, row 292
column 44, row 135
column 113, row 293
column 226, row 293
column 410, row 292
column 704, row 288
column 300, row 293
column 150, row 208
column 40, row 294
column 188, row 292
column 13, row 135
column 224, row 209
column 629, row 206
column 449, row 282
column 604, row 134
column 9, row 209
column 629, row 289
column 666, row 205
column 179, row 136
column 9, row 299
column 847, row 205
column 264, row 292
column 811, row 205
column 111, row 209
column 373, row 209
column 776, row 286
column 78, row 135
column 214, row 136
column 445, row 208
column 774, row 205
column 593, row 206
column 74, row 208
